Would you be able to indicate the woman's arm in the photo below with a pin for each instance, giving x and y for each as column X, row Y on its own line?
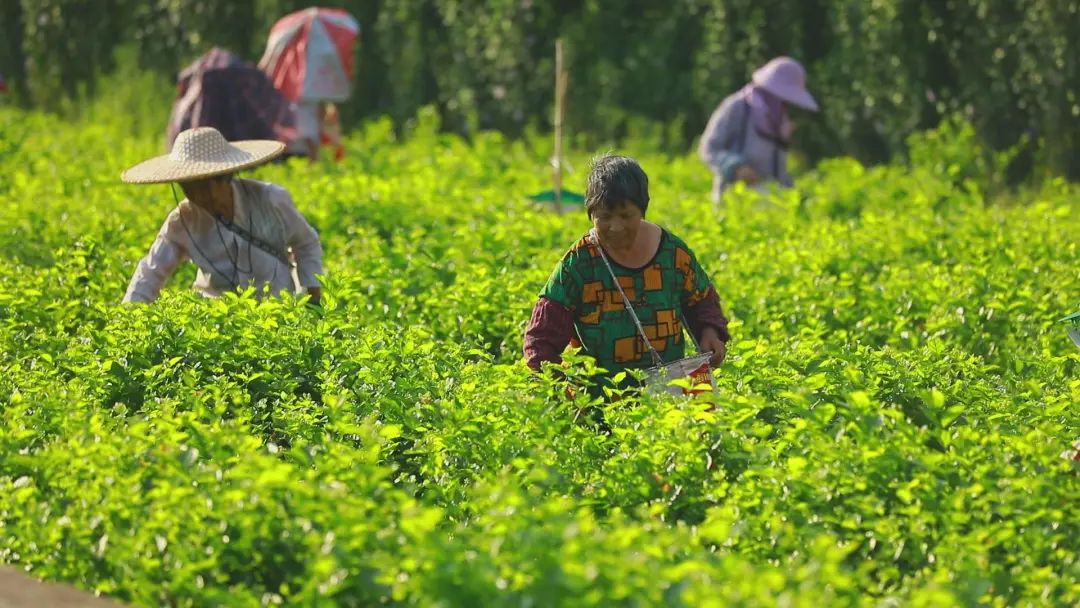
column 707, row 313
column 548, row 333
column 701, row 305
column 155, row 269
column 305, row 245
column 552, row 324
column 706, row 321
column 721, row 147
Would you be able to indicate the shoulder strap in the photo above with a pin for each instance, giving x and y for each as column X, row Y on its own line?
column 254, row 240
column 743, row 129
column 626, row 301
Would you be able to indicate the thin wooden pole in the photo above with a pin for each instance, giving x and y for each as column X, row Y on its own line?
column 560, row 93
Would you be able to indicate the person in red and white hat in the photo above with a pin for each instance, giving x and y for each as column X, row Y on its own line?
column 748, row 134
column 317, row 125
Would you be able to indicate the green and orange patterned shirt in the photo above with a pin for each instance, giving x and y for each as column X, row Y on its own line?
column 659, row 291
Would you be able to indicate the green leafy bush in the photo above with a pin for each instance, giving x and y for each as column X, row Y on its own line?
column 887, row 430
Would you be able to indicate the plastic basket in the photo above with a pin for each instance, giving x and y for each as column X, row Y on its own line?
column 1072, row 326
column 658, row 379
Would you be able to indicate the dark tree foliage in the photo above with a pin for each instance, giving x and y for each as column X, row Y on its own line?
column 881, row 70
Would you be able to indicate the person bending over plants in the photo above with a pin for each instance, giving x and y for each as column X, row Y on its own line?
column 748, row 134
column 661, row 287
column 239, row 232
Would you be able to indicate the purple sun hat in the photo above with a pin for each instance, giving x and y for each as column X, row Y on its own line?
column 786, row 78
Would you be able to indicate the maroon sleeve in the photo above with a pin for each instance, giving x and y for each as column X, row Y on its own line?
column 548, row 333
column 707, row 313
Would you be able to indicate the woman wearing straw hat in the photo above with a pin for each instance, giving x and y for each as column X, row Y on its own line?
column 748, row 135
column 239, row 232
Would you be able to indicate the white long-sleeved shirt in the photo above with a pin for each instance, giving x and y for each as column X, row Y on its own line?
column 227, row 261
column 308, row 127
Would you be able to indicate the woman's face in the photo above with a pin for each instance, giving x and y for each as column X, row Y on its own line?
column 206, row 190
column 618, row 227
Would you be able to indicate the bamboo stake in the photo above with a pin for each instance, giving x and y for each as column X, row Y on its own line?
column 560, row 93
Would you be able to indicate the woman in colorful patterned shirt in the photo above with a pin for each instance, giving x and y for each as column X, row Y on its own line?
column 659, row 274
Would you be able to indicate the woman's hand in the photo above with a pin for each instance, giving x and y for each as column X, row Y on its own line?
column 746, row 173
column 710, row 341
column 315, row 293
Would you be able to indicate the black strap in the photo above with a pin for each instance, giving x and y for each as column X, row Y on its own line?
column 657, row 360
column 778, row 143
column 256, row 241
column 745, row 123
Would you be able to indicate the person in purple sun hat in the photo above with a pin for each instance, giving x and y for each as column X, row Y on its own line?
column 748, row 134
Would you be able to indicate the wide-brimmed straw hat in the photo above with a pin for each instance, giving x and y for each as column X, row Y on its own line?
column 786, row 78
column 199, row 153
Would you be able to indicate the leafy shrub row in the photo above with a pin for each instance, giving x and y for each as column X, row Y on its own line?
column 887, row 430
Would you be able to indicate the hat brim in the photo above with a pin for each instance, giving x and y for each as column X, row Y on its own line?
column 796, row 97
column 164, row 169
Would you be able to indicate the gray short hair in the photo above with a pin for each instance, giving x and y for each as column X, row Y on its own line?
column 615, row 180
